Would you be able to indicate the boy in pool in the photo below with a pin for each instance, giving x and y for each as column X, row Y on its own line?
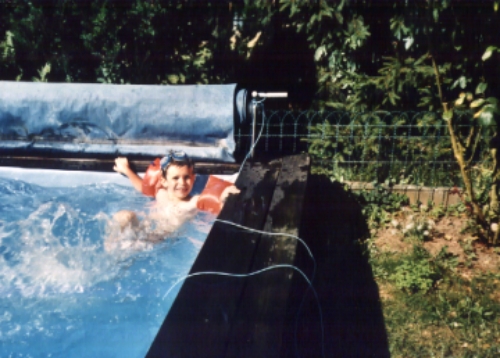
column 174, row 202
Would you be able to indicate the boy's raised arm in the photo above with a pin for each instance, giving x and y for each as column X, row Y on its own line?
column 122, row 166
column 230, row 190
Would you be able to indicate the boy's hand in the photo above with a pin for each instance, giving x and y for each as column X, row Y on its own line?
column 121, row 165
column 232, row 189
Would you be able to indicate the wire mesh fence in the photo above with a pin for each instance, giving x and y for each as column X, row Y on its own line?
column 408, row 147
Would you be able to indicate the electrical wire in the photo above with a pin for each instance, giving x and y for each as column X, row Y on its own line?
column 258, row 137
column 254, row 273
column 275, row 234
column 279, row 234
column 310, row 254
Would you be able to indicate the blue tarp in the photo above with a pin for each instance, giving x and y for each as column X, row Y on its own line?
column 141, row 120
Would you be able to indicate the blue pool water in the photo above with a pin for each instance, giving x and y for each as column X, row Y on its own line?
column 61, row 294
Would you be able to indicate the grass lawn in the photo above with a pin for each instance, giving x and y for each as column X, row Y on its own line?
column 438, row 284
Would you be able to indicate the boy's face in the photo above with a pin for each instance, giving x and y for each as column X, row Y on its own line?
column 179, row 181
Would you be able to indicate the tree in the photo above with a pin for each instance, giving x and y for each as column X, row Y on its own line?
column 426, row 54
column 121, row 41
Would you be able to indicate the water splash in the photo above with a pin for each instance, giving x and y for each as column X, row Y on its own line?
column 54, row 250
column 61, row 293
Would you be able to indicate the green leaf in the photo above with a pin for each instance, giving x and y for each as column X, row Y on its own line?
column 320, row 52
column 463, row 82
column 336, row 105
column 477, row 103
column 492, row 108
column 492, row 100
column 339, row 17
column 481, row 88
column 173, row 79
column 489, row 51
column 284, row 6
column 448, row 115
column 408, row 42
column 435, row 14
column 485, row 118
column 460, row 101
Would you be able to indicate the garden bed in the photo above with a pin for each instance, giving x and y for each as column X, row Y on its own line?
column 438, row 284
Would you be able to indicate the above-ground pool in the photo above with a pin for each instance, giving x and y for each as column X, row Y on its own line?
column 61, row 293
column 67, row 289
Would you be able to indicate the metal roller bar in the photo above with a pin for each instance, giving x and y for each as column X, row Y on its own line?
column 255, row 95
column 269, row 94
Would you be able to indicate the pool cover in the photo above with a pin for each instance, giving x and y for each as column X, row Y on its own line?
column 129, row 120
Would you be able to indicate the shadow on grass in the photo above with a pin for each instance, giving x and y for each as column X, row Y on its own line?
column 352, row 314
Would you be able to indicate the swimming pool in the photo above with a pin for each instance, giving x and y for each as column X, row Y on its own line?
column 61, row 294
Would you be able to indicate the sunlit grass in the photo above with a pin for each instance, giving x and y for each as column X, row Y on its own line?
column 457, row 317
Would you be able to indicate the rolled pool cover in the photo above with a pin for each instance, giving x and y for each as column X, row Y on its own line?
column 119, row 120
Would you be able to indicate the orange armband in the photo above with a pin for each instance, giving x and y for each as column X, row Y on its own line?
column 152, row 178
column 210, row 197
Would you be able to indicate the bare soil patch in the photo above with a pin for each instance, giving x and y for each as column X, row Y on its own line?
column 474, row 257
